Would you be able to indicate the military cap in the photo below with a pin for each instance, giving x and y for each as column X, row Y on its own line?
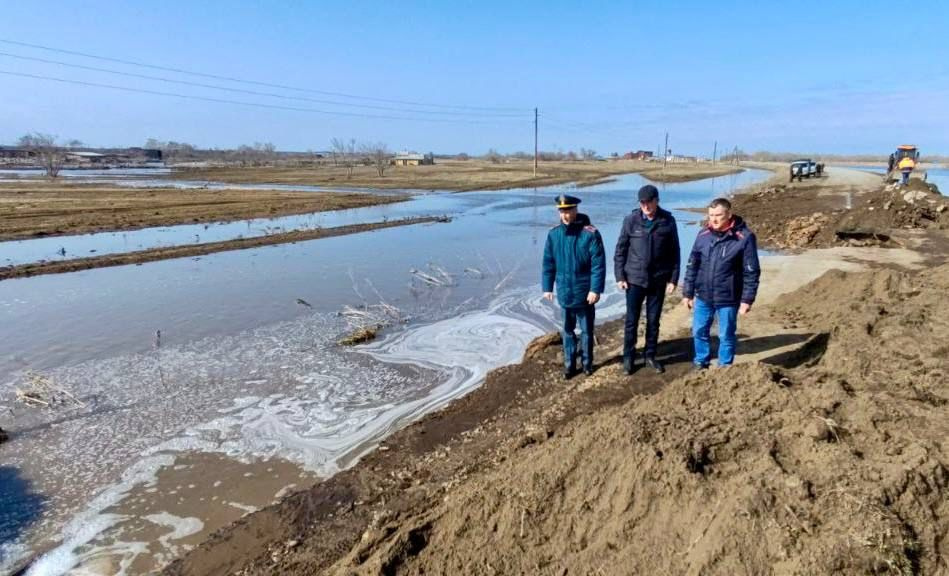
column 567, row 201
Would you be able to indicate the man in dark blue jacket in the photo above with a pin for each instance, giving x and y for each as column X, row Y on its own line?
column 721, row 279
column 574, row 260
column 646, row 265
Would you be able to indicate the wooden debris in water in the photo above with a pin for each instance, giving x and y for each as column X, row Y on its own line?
column 40, row 391
column 366, row 321
column 359, row 336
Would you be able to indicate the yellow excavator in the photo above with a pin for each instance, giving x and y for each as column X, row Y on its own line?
column 904, row 164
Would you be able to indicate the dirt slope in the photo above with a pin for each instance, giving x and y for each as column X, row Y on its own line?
column 832, row 461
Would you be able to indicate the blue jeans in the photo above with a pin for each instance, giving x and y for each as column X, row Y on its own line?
column 654, row 295
column 701, row 327
column 584, row 316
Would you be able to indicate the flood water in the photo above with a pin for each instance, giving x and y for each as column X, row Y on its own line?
column 247, row 370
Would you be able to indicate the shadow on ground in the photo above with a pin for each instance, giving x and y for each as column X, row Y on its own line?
column 20, row 507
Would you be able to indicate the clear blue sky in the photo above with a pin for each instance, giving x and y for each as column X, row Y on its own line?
column 841, row 76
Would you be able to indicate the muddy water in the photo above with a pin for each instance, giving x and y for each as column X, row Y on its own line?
column 939, row 177
column 247, row 374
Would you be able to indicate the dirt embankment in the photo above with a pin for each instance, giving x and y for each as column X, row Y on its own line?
column 827, row 213
column 456, row 175
column 827, row 459
column 54, row 209
column 191, row 250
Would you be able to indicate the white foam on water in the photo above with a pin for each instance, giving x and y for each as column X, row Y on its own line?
column 180, row 528
column 344, row 408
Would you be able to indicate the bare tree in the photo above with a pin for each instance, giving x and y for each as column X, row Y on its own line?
column 588, row 154
column 462, row 156
column 344, row 152
column 493, row 156
column 43, row 146
column 338, row 150
column 266, row 151
column 74, row 143
column 379, row 154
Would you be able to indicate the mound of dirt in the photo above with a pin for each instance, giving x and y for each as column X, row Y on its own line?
column 793, row 217
column 836, row 465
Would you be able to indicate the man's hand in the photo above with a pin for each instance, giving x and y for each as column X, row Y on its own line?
column 549, row 296
column 593, row 298
column 744, row 308
column 623, row 285
column 688, row 302
column 670, row 288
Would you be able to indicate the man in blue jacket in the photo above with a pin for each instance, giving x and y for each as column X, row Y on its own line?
column 646, row 265
column 574, row 260
column 721, row 279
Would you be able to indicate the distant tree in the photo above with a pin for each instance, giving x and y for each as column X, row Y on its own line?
column 588, row 154
column 493, row 156
column 345, row 152
column 44, row 147
column 74, row 144
column 378, row 153
column 338, row 150
column 462, row 156
column 571, row 155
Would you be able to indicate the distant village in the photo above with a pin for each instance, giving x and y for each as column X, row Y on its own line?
column 24, row 157
column 78, row 158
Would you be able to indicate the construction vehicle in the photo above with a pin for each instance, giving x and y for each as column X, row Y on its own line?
column 904, row 164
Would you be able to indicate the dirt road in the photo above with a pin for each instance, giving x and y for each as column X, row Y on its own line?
column 847, row 207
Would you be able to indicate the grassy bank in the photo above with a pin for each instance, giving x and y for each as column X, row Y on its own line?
column 54, row 209
column 454, row 175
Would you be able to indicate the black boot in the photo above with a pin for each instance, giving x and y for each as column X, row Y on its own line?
column 655, row 364
column 569, row 373
column 628, row 366
column 588, row 370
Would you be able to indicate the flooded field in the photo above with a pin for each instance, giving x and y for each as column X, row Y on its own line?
column 246, row 395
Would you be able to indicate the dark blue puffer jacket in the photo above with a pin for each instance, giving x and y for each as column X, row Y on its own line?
column 647, row 255
column 723, row 266
column 575, row 260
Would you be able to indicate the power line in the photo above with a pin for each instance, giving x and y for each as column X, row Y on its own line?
column 243, row 103
column 258, row 93
column 255, row 82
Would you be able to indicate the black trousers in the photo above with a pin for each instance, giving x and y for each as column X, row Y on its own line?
column 654, row 295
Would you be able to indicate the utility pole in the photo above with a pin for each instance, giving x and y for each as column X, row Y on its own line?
column 714, row 151
column 665, row 152
column 535, row 142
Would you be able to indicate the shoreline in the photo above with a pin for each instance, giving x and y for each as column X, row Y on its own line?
column 191, row 250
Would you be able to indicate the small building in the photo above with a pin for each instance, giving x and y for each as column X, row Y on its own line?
column 638, row 155
column 413, row 159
